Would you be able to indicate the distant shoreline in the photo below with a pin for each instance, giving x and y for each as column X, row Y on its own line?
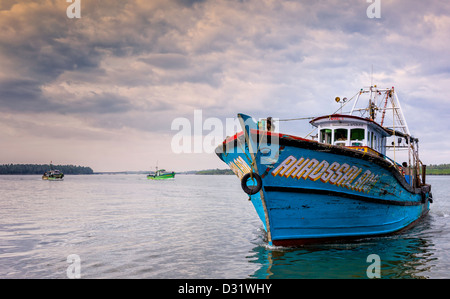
column 145, row 173
column 194, row 172
column 39, row 169
column 36, row 169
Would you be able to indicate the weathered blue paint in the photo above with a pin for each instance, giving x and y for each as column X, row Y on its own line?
column 314, row 192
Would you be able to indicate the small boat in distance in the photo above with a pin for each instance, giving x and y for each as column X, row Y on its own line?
column 338, row 185
column 53, row 174
column 161, row 174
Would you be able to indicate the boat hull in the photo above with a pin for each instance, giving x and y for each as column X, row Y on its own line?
column 162, row 177
column 312, row 193
column 53, row 177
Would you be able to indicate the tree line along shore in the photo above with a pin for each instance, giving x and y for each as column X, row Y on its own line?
column 41, row 168
column 441, row 169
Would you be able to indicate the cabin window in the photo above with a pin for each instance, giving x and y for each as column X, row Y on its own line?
column 371, row 139
column 325, row 136
column 357, row 137
column 340, row 137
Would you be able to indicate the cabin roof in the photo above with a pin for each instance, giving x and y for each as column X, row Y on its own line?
column 337, row 118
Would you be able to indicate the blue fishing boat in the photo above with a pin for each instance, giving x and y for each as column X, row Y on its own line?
column 338, row 184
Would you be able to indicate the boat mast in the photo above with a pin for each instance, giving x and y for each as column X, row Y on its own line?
column 400, row 115
column 382, row 100
column 398, row 120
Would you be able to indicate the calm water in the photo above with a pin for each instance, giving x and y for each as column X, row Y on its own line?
column 125, row 226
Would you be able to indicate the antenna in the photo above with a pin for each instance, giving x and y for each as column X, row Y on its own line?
column 371, row 77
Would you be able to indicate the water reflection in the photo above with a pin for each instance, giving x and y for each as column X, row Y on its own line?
column 406, row 255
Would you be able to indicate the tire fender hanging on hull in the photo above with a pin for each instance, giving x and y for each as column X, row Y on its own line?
column 250, row 190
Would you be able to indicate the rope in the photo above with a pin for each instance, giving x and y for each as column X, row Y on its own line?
column 300, row 118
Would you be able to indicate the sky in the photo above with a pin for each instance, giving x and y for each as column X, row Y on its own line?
column 108, row 89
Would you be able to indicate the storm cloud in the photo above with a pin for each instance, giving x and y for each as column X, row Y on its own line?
column 127, row 69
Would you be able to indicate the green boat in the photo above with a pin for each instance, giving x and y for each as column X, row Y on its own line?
column 53, row 174
column 160, row 174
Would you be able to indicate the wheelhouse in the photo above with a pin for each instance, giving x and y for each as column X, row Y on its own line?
column 351, row 131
